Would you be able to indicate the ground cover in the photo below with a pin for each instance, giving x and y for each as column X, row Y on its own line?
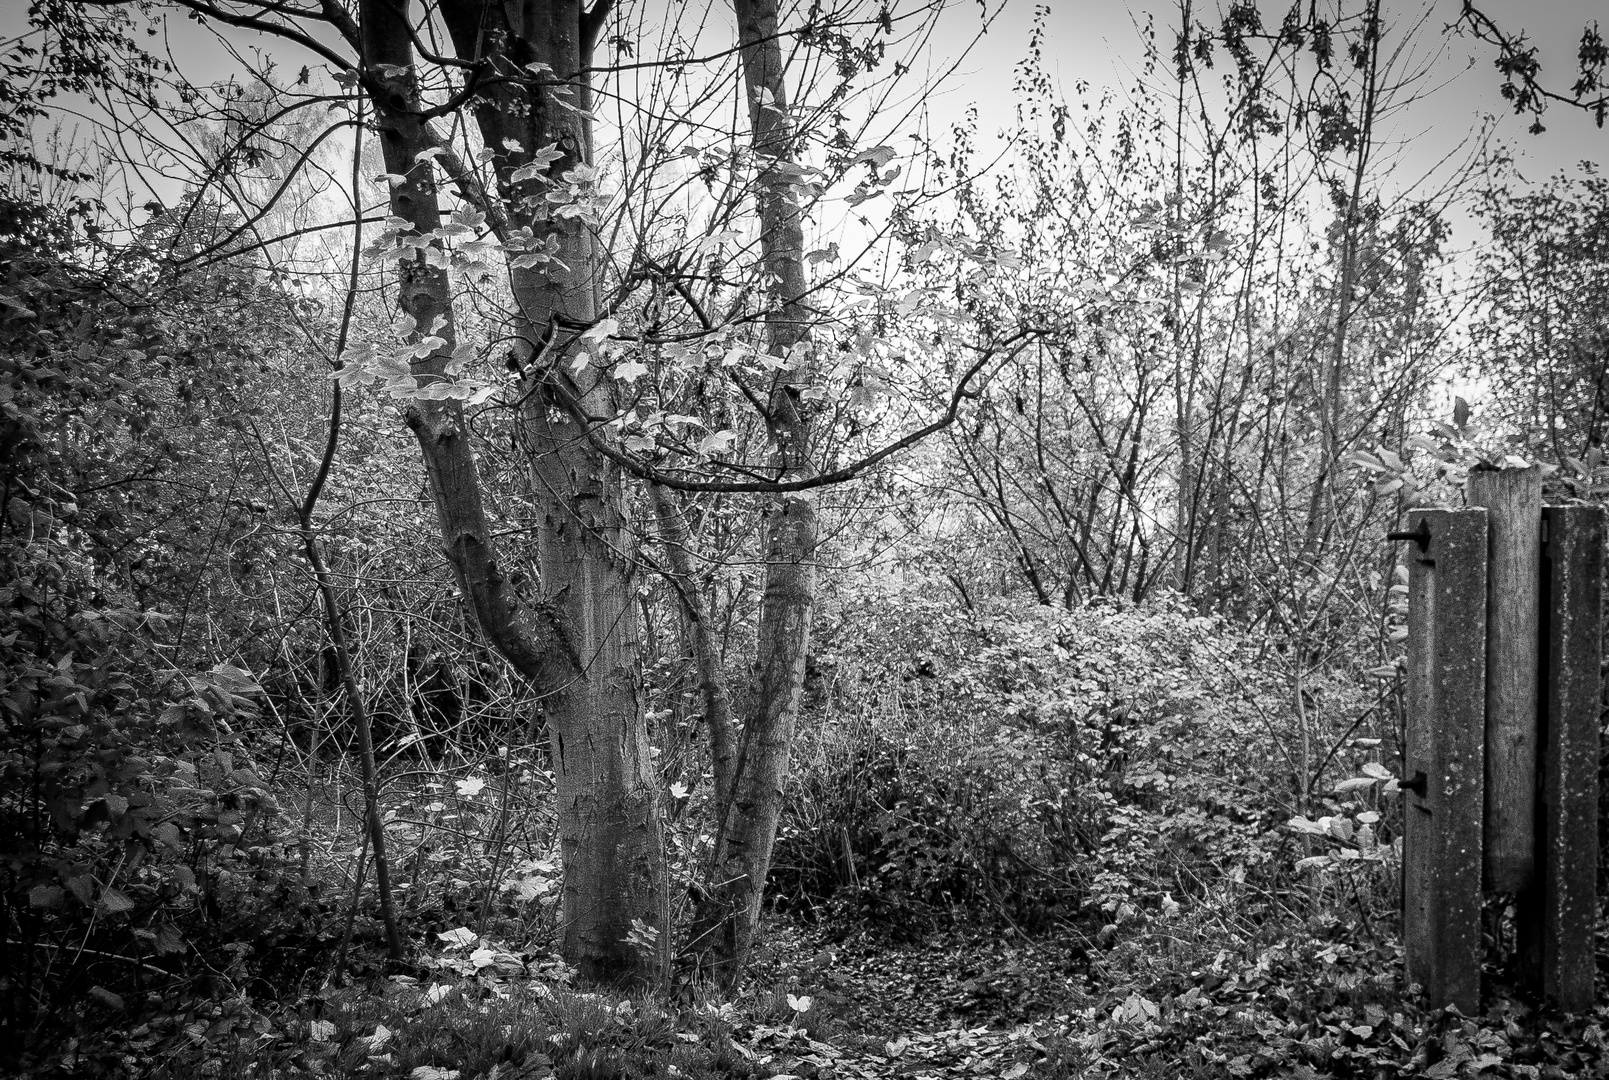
column 1305, row 1001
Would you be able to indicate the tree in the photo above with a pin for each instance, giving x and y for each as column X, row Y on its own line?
column 580, row 645
column 624, row 335
column 1543, row 335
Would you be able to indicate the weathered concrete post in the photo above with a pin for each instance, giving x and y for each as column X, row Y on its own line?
column 1556, row 916
column 1513, row 502
column 1444, row 759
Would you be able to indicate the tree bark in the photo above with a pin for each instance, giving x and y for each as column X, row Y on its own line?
column 726, row 922
column 580, row 647
column 673, row 535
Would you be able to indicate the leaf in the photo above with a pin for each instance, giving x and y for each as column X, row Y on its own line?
column 430, row 1072
column 630, row 370
column 320, row 1030
column 44, row 896
column 1019, row 1069
column 458, row 938
column 168, row 941
column 799, row 1004
column 1303, row 825
column 471, row 787
column 601, row 329
column 717, row 442
column 526, row 172
column 877, row 157
column 115, row 901
column 547, row 155
column 106, row 997
column 1460, row 413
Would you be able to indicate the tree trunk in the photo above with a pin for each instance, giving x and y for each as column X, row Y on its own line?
column 726, row 922
column 580, row 648
column 712, row 686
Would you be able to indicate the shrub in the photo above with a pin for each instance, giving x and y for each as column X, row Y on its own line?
column 1038, row 763
column 133, row 827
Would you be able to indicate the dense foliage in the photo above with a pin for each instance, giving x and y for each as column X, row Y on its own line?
column 1102, row 693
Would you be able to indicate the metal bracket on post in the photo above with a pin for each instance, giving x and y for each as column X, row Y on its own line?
column 1446, row 727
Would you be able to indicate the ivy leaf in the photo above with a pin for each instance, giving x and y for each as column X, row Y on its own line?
column 630, row 371
column 601, row 329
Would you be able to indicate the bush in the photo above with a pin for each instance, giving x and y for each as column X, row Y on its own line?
column 1039, row 764
column 133, row 833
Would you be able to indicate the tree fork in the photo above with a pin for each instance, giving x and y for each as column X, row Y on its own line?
column 580, row 650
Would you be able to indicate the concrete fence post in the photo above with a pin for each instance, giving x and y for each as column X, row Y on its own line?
column 1444, row 757
column 1513, row 502
column 1556, row 916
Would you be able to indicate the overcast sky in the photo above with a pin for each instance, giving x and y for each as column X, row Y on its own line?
column 1100, row 42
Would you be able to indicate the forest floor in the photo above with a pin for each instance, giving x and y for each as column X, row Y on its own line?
column 822, row 1005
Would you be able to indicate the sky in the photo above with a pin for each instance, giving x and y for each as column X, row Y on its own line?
column 1100, row 42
